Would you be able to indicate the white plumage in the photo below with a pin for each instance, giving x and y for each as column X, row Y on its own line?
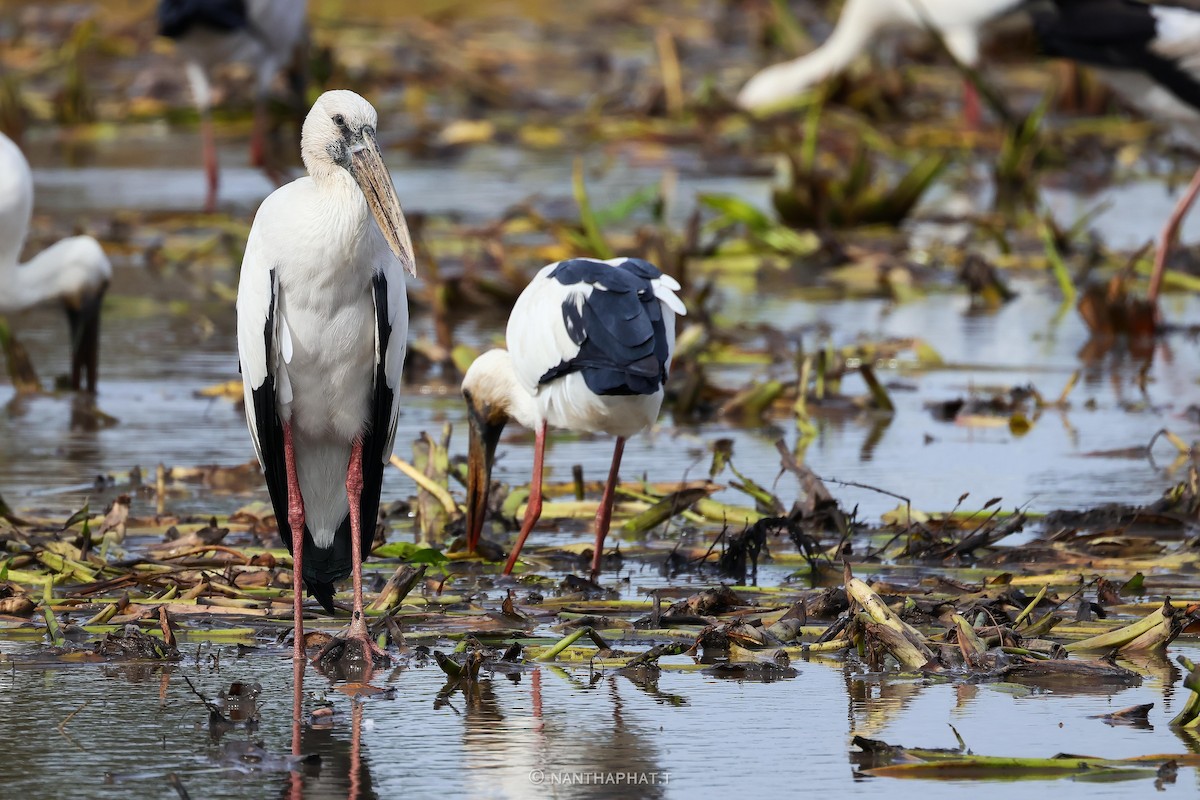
column 858, row 29
column 589, row 350
column 73, row 271
column 322, row 327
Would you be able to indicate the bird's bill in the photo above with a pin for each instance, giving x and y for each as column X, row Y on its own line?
column 83, row 318
column 481, row 453
column 373, row 178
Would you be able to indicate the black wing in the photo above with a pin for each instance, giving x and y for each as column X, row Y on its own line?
column 1119, row 34
column 177, row 17
column 623, row 348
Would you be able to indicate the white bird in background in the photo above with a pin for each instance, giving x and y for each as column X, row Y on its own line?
column 858, row 28
column 322, row 324
column 1150, row 56
column 589, row 349
column 261, row 33
column 74, row 271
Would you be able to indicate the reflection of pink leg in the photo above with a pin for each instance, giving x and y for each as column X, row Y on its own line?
column 972, row 110
column 296, row 522
column 295, row 789
column 604, row 513
column 1167, row 238
column 356, row 716
column 209, row 146
column 533, row 508
column 354, row 484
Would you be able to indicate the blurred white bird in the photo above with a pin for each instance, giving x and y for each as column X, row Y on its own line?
column 74, row 271
column 261, row 33
column 857, row 31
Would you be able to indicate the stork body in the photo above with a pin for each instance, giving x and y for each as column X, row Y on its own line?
column 322, row 326
column 74, row 271
column 857, row 31
column 589, row 350
column 263, row 34
column 1150, row 56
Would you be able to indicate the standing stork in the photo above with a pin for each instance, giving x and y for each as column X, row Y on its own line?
column 74, row 271
column 1150, row 56
column 261, row 33
column 322, row 323
column 858, row 28
column 589, row 349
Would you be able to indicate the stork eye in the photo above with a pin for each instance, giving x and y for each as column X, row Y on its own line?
column 339, row 120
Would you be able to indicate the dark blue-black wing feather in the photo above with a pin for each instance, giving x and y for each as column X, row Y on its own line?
column 619, row 327
column 1118, row 34
column 177, row 17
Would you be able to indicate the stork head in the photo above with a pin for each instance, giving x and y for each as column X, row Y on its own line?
column 487, row 387
column 339, row 134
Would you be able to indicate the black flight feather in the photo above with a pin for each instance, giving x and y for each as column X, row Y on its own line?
column 619, row 327
column 177, row 17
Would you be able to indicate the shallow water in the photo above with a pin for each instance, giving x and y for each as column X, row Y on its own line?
column 690, row 735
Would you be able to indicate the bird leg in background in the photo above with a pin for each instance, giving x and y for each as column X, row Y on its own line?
column 358, row 625
column 972, row 110
column 1169, row 232
column 604, row 513
column 296, row 521
column 533, row 508
column 258, row 144
column 208, row 144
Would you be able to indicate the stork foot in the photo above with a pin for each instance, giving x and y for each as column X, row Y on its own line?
column 355, row 651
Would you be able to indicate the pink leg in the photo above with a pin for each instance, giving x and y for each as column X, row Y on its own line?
column 604, row 513
column 296, row 521
column 209, row 146
column 354, row 484
column 1169, row 233
column 533, row 509
column 972, row 110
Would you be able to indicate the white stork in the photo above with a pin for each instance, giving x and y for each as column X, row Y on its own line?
column 322, row 324
column 74, row 271
column 589, row 349
column 1149, row 55
column 858, row 28
column 261, row 33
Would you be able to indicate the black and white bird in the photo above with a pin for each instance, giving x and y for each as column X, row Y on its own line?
column 1150, row 55
column 74, row 271
column 858, row 30
column 263, row 34
column 589, row 350
column 322, row 315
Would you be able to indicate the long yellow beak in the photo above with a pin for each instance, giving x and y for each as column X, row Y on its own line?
column 372, row 176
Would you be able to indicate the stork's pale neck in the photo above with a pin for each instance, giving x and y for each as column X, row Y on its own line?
column 492, row 380
column 68, row 269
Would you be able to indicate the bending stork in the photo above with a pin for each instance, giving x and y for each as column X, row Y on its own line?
column 589, row 348
column 322, row 324
column 261, row 33
column 73, row 271
column 858, row 29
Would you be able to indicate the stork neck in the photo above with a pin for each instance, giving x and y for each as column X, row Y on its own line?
column 30, row 283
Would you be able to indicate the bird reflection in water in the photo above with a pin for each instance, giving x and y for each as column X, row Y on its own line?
column 327, row 764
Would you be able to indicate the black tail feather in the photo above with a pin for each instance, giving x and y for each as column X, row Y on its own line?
column 323, row 591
